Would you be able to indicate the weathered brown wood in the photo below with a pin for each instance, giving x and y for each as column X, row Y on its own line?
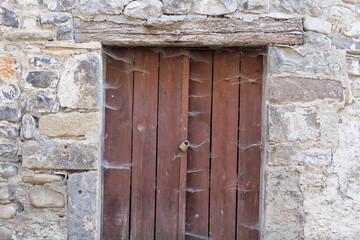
column 144, row 144
column 212, row 31
column 184, row 135
column 249, row 146
column 169, row 138
column 224, row 145
column 117, row 155
column 197, row 198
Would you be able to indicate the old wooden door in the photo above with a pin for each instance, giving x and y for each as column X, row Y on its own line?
column 155, row 99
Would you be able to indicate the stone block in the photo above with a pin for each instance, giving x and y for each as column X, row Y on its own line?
column 28, row 127
column 292, row 156
column 9, row 131
column 55, row 19
column 97, row 7
column 317, row 25
column 354, row 30
column 57, row 154
column 10, row 113
column 8, row 151
column 79, row 85
column 9, row 67
column 66, row 33
column 254, row 6
column 214, row 7
column 284, row 212
column 7, row 211
column 303, row 7
column 38, row 102
column 42, row 79
column 177, row 6
column 8, row 170
column 8, row 18
column 69, row 124
column 303, row 89
column 310, row 62
column 6, row 192
column 144, row 9
column 60, row 5
column 45, row 61
column 292, row 124
column 82, row 216
column 9, row 92
column 42, row 197
column 42, row 178
column 44, row 35
column 5, row 233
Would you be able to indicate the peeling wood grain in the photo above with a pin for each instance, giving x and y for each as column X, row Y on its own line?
column 223, row 32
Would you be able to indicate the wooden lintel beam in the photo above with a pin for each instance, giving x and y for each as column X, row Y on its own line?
column 212, row 31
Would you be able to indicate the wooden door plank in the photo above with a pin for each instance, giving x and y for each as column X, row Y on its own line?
column 224, row 145
column 144, row 144
column 197, row 198
column 170, row 133
column 250, row 146
column 117, row 154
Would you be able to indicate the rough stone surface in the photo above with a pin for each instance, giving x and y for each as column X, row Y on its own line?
column 284, row 203
column 79, row 83
column 28, row 126
column 8, row 151
column 10, row 113
column 144, row 9
column 8, row 68
column 42, row 178
column 66, row 33
column 46, row 61
column 30, row 35
column 60, row 155
column 9, row 92
column 7, row 211
column 82, row 219
column 68, row 124
column 9, row 131
column 93, row 7
column 303, row 89
column 60, row 5
column 288, row 123
column 6, row 192
column 214, row 7
column 177, row 6
column 42, row 79
column 305, row 7
column 254, row 6
column 56, row 19
column 8, row 18
column 8, row 170
column 39, row 101
column 42, row 197
column 293, row 156
column 317, row 25
column 5, row 233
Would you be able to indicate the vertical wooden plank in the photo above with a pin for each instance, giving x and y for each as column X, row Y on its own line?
column 170, row 133
column 144, row 144
column 117, row 155
column 250, row 146
column 224, row 145
column 197, row 197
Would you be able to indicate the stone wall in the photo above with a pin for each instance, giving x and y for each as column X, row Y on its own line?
column 51, row 115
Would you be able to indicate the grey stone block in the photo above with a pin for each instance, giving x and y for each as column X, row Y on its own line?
column 43, row 79
column 8, row 151
column 82, row 206
column 8, row 18
column 10, row 113
column 45, row 61
column 8, row 170
column 57, row 154
column 56, row 19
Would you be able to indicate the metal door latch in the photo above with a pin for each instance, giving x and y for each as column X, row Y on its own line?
column 184, row 145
